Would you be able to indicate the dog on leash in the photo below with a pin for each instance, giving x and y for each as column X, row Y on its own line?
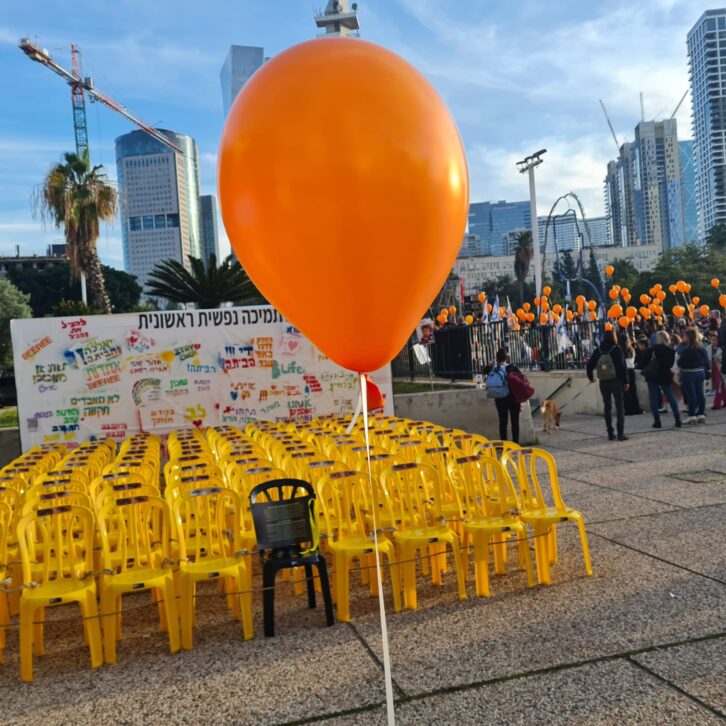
column 550, row 415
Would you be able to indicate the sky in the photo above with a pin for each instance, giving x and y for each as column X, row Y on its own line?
column 517, row 77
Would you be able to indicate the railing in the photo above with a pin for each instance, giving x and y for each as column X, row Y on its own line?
column 461, row 352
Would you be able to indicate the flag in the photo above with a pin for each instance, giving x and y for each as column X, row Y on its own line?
column 563, row 339
column 484, row 313
column 511, row 318
column 495, row 310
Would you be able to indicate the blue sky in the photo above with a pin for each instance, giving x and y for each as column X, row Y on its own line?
column 516, row 76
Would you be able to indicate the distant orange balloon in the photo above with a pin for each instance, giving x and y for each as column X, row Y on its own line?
column 452, row 310
column 609, row 270
column 644, row 299
column 615, row 311
column 722, row 301
column 469, row 319
column 704, row 309
column 547, row 290
column 672, row 289
column 557, row 309
column 591, row 305
column 543, row 319
column 613, row 293
column 715, row 282
column 530, row 317
column 695, row 300
column 624, row 321
column 569, row 315
column 481, row 297
column 681, row 286
column 537, row 301
column 593, row 315
column 631, row 312
column 660, row 295
column 608, row 326
column 526, row 307
column 545, row 306
column 489, row 307
column 325, row 154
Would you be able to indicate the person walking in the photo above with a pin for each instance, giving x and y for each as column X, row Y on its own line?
column 695, row 369
column 657, row 369
column 612, row 377
column 507, row 407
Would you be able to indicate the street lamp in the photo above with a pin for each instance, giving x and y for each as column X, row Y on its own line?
column 527, row 165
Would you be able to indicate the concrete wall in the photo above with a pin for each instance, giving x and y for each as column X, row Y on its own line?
column 468, row 409
column 578, row 395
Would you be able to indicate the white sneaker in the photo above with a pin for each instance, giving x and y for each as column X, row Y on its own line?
column 691, row 420
column 701, row 419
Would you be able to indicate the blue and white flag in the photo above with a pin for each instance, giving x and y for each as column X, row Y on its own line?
column 495, row 310
column 563, row 339
column 485, row 310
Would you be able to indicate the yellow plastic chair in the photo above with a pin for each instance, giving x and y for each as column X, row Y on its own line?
column 416, row 497
column 537, row 513
column 138, row 556
column 342, row 494
column 55, row 499
column 492, row 510
column 210, row 549
column 64, row 535
column 496, row 448
column 6, row 523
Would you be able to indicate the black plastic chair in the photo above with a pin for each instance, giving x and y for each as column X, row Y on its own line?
column 283, row 513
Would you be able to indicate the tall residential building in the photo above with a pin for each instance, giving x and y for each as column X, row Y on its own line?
column 644, row 189
column 688, row 189
column 159, row 201
column 492, row 222
column 657, row 184
column 208, row 226
column 569, row 232
column 339, row 19
column 239, row 65
column 707, row 60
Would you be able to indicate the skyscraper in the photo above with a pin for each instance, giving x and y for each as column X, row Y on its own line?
column 707, row 59
column 239, row 65
column 657, row 184
column 493, row 221
column 688, row 189
column 159, row 201
column 644, row 188
column 208, row 226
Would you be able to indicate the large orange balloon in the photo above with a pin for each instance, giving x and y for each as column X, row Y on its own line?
column 344, row 191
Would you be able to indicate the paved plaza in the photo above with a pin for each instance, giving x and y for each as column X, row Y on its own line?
column 642, row 641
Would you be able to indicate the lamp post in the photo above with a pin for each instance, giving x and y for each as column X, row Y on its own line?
column 527, row 165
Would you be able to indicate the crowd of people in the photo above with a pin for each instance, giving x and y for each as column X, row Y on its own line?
column 676, row 357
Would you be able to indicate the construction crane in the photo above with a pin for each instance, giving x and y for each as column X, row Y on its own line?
column 79, row 87
column 683, row 98
column 612, row 130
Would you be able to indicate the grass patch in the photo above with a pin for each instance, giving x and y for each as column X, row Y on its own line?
column 417, row 387
column 8, row 417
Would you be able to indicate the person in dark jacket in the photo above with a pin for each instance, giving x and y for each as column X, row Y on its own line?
column 722, row 343
column 659, row 377
column 632, row 404
column 695, row 369
column 507, row 407
column 611, row 388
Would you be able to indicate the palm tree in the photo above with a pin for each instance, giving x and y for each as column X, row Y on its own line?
column 78, row 197
column 208, row 286
column 523, row 253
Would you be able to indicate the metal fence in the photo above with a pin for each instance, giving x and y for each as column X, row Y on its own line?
column 461, row 352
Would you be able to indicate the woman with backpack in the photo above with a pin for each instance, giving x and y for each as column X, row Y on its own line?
column 658, row 372
column 498, row 389
column 612, row 375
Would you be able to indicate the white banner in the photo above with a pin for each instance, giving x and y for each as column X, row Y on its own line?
column 115, row 375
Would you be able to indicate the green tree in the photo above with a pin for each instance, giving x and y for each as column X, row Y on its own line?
column 716, row 238
column 207, row 286
column 13, row 305
column 592, row 272
column 78, row 198
column 523, row 254
column 49, row 286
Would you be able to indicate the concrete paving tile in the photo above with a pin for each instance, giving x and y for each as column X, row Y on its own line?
column 692, row 538
column 598, row 693
column 626, row 605
column 306, row 669
column 697, row 668
column 598, row 504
